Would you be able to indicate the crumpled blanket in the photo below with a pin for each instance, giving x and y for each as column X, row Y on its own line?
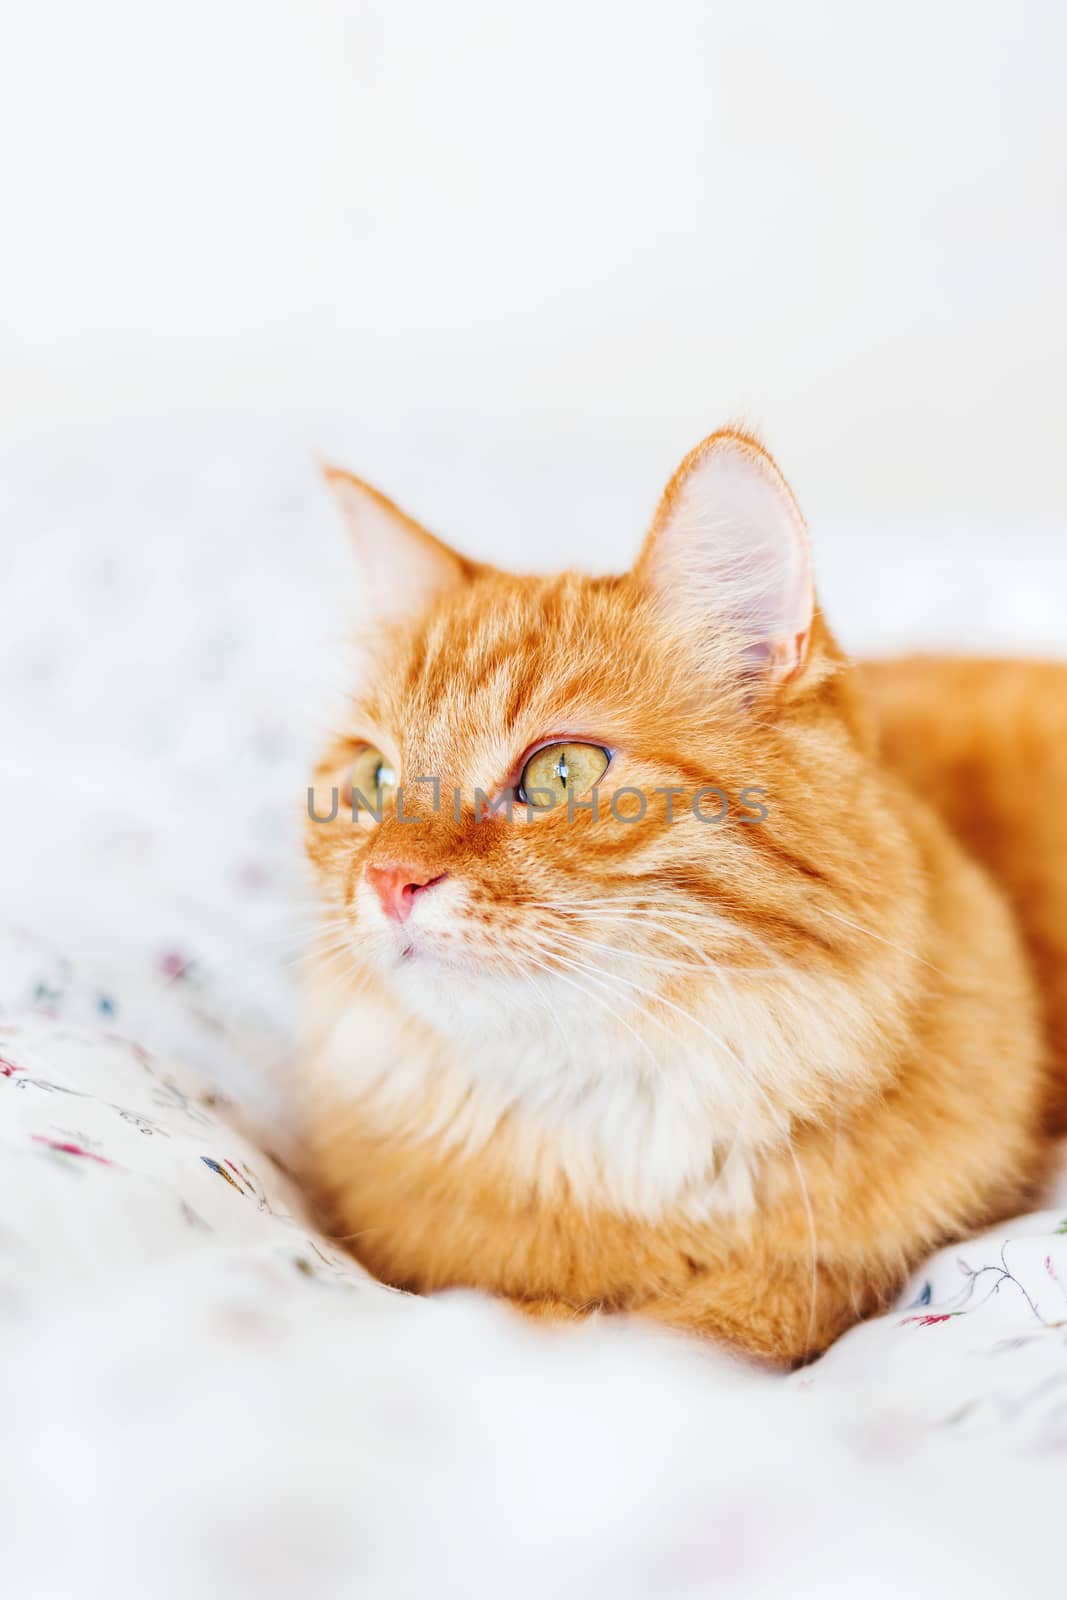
column 201, row 1394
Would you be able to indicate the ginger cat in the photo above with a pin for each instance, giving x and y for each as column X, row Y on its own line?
column 757, row 995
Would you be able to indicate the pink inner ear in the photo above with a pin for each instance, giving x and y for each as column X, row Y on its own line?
column 729, row 551
column 784, row 658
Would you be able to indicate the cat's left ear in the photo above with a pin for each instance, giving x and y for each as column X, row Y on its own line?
column 402, row 568
column 728, row 556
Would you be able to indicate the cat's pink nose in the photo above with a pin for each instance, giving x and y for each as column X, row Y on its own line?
column 397, row 886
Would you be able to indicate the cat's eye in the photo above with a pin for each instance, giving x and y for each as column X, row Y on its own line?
column 560, row 770
column 371, row 776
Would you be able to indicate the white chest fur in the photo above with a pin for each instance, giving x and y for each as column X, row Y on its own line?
column 643, row 1109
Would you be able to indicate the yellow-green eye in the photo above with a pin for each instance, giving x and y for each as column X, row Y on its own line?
column 560, row 770
column 371, row 776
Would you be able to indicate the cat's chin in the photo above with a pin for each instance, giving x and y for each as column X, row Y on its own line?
column 458, row 993
column 416, row 952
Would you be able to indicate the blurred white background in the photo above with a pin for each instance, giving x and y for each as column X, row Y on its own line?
column 545, row 234
column 510, row 263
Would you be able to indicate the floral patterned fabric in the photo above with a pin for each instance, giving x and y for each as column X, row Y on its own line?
column 214, row 1399
column 112, row 1161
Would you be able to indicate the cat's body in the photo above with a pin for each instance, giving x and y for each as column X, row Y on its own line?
column 984, row 742
column 737, row 1077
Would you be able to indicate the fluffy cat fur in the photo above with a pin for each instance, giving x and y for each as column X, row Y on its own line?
column 735, row 1078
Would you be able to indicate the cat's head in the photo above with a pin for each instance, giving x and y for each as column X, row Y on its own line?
column 679, row 748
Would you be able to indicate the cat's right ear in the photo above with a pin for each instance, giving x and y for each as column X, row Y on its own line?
column 402, row 568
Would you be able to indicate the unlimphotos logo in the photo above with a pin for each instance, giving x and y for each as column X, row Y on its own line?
column 627, row 805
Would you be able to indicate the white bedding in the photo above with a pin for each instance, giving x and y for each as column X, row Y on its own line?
column 197, row 1394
